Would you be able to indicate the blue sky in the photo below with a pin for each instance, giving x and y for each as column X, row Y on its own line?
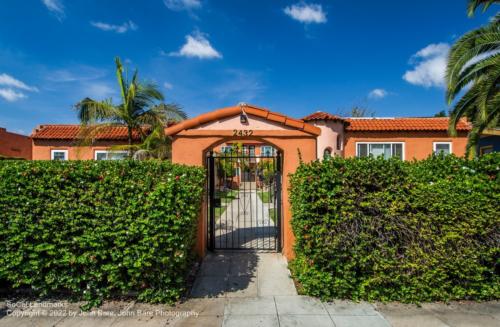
column 293, row 57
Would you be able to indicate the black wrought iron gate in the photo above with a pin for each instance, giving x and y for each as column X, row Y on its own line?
column 244, row 201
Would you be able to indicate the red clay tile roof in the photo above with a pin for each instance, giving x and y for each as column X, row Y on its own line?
column 72, row 132
column 321, row 115
column 403, row 124
column 250, row 110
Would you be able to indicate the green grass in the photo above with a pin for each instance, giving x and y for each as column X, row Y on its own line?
column 265, row 196
column 225, row 197
column 272, row 214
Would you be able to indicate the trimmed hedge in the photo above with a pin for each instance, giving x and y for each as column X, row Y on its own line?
column 390, row 230
column 99, row 229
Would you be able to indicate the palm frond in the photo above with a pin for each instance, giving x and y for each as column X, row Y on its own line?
column 474, row 4
column 90, row 111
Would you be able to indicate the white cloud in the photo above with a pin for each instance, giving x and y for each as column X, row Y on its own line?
column 429, row 66
column 75, row 73
column 8, row 80
column 168, row 86
column 11, row 95
column 9, row 92
column 56, row 7
column 178, row 5
column 197, row 46
column 98, row 90
column 378, row 94
column 306, row 13
column 125, row 27
column 239, row 86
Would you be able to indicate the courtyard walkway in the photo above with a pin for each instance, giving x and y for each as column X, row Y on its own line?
column 249, row 289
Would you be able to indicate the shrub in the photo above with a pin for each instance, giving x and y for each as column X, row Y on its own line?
column 390, row 230
column 98, row 229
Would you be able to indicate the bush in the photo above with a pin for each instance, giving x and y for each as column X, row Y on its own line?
column 390, row 230
column 98, row 229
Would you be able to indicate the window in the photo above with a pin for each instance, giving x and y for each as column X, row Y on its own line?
column 485, row 149
column 387, row 150
column 226, row 149
column 58, row 154
column 266, row 151
column 339, row 142
column 327, row 153
column 110, row 155
column 249, row 150
column 442, row 147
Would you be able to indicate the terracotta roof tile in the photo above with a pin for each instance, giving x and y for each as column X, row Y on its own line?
column 403, row 124
column 236, row 110
column 321, row 115
column 72, row 132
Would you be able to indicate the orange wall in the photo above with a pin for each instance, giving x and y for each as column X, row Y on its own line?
column 418, row 145
column 42, row 148
column 14, row 145
column 191, row 150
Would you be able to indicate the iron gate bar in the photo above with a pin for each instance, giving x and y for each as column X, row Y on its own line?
column 234, row 201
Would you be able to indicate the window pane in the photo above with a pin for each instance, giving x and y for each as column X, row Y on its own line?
column 339, row 142
column 58, row 155
column 397, row 150
column 443, row 148
column 377, row 149
column 101, row 156
column 327, row 153
column 362, row 150
column 117, row 155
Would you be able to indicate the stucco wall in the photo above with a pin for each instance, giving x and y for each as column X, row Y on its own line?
column 14, row 145
column 42, row 149
column 330, row 131
column 418, row 145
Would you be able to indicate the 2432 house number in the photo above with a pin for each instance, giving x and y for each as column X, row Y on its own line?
column 242, row 132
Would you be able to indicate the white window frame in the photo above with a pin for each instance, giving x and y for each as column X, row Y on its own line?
column 434, row 144
column 402, row 143
column 106, row 152
column 266, row 146
column 52, row 151
column 223, row 147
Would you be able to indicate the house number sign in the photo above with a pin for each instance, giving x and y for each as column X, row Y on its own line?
column 242, row 132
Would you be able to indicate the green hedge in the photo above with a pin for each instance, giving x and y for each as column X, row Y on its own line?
column 389, row 230
column 98, row 229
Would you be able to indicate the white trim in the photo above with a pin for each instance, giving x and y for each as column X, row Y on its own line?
column 266, row 146
column 388, row 142
column 52, row 151
column 436, row 143
column 96, row 152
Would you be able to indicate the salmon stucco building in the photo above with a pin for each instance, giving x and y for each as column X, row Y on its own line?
column 14, row 146
column 406, row 138
column 249, row 152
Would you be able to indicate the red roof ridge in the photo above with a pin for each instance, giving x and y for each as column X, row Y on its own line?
column 248, row 109
column 322, row 115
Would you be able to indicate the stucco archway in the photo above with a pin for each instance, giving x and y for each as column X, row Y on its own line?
column 192, row 138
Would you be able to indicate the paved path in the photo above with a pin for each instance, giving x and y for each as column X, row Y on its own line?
column 254, row 289
column 245, row 223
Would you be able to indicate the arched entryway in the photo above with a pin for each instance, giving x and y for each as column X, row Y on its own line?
column 244, row 194
column 295, row 140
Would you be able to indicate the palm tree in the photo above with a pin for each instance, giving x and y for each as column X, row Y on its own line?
column 474, row 67
column 140, row 110
column 474, row 4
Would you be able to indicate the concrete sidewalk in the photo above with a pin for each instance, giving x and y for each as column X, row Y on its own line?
column 250, row 289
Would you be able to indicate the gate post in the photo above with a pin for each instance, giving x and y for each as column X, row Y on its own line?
column 211, row 202
column 278, row 198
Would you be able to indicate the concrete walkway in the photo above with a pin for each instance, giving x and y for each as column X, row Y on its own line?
column 249, row 289
column 245, row 223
